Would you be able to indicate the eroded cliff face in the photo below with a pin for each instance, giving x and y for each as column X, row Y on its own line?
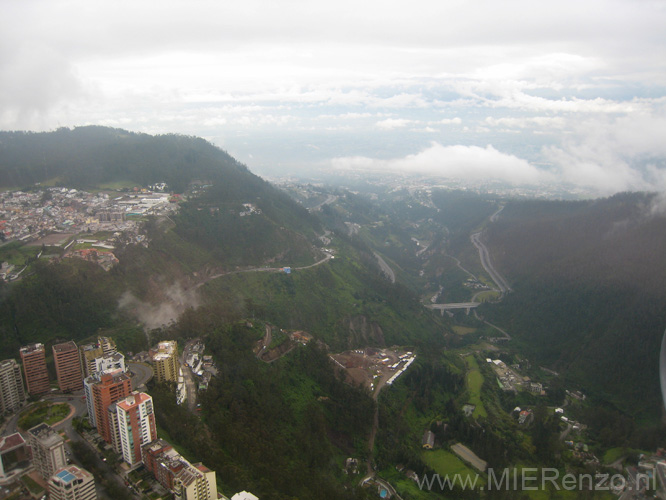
column 363, row 332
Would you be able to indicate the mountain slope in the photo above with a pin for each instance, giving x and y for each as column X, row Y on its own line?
column 588, row 291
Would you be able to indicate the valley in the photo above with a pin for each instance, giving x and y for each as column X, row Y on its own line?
column 409, row 330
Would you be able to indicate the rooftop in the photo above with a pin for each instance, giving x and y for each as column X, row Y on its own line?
column 30, row 348
column 10, row 442
column 45, row 434
column 66, row 475
column 134, row 399
column 65, row 347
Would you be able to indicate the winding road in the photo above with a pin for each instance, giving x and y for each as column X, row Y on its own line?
column 264, row 270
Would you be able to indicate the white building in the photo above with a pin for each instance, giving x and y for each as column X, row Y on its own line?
column 136, row 425
column 48, row 449
column 12, row 392
column 72, row 483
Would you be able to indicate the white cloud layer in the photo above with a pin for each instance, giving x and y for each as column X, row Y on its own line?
column 577, row 85
column 453, row 162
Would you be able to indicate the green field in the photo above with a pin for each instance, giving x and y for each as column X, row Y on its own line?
column 118, row 185
column 446, row 463
column 17, row 253
column 43, row 412
column 474, row 383
column 462, row 330
column 488, row 295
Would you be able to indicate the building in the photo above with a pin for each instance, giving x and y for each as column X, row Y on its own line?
column 33, row 358
column 89, row 354
column 136, row 425
column 68, row 366
column 157, row 457
column 165, row 359
column 428, row 441
column 108, row 345
column 112, row 362
column 48, row 449
column 535, row 387
column 102, row 390
column 187, row 481
column 12, row 393
column 104, row 348
column 196, row 482
column 244, row 495
column 72, row 483
column 112, row 413
column 14, row 455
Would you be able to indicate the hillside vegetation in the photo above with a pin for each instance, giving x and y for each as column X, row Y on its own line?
column 589, row 296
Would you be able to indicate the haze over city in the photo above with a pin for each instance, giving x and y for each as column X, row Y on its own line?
column 523, row 92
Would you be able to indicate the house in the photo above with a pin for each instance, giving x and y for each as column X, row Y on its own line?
column 428, row 441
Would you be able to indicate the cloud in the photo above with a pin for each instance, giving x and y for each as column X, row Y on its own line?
column 471, row 163
column 450, row 121
column 392, row 123
column 549, row 122
column 608, row 155
column 176, row 301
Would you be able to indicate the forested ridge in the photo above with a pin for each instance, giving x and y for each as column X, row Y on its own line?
column 589, row 296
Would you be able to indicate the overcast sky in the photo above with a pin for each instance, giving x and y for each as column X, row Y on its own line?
column 523, row 91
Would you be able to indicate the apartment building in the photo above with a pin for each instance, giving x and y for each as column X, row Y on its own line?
column 33, row 358
column 68, row 366
column 165, row 360
column 72, row 483
column 48, row 449
column 102, row 390
column 12, row 393
column 136, row 425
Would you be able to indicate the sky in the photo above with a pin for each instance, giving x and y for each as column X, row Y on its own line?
column 525, row 92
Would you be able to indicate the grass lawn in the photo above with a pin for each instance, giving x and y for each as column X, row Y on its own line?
column 474, row 383
column 462, row 330
column 446, row 463
column 32, row 485
column 614, row 454
column 43, row 412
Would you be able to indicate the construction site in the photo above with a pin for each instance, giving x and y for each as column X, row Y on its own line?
column 373, row 367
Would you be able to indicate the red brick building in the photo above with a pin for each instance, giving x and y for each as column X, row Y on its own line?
column 112, row 387
column 33, row 358
column 68, row 366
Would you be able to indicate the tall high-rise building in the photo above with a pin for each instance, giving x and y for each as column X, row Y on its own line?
column 102, row 390
column 48, row 449
column 33, row 358
column 165, row 359
column 12, row 393
column 68, row 366
column 136, row 425
column 112, row 412
column 72, row 483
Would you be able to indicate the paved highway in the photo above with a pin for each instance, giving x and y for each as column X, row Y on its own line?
column 454, row 305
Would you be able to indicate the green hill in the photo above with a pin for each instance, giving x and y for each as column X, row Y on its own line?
column 588, row 293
